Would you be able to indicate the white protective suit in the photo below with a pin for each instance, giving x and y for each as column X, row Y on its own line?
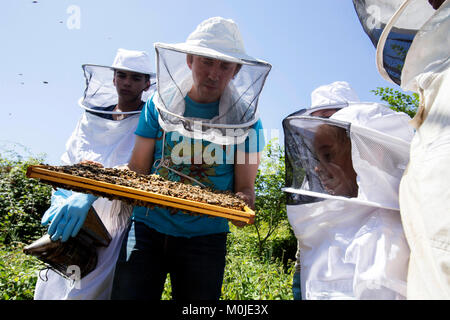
column 351, row 248
column 425, row 186
column 335, row 95
column 109, row 142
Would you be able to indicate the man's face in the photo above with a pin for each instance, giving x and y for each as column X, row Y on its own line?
column 210, row 77
column 130, row 85
column 335, row 168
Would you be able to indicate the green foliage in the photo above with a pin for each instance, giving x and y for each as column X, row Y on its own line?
column 18, row 273
column 249, row 276
column 167, row 292
column 399, row 101
column 270, row 202
column 23, row 201
column 259, row 260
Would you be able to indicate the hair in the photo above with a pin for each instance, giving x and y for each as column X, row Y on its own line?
column 190, row 58
column 339, row 133
column 146, row 76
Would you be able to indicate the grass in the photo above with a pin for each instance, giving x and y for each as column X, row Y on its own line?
column 18, row 273
column 253, row 275
column 249, row 274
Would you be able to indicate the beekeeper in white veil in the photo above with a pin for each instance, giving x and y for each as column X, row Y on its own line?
column 113, row 100
column 424, row 67
column 342, row 177
column 325, row 101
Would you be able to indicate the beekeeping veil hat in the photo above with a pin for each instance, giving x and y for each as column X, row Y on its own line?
column 333, row 96
column 220, row 39
column 101, row 93
column 379, row 153
column 403, row 31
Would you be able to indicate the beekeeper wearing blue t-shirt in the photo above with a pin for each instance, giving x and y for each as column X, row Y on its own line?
column 201, row 127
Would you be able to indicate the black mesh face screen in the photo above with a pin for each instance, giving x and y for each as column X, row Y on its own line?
column 302, row 160
column 397, row 43
column 403, row 20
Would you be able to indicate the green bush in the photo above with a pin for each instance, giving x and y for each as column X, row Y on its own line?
column 399, row 101
column 270, row 201
column 18, row 273
column 23, row 201
column 252, row 277
column 259, row 260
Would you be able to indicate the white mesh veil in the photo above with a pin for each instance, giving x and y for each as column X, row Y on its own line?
column 215, row 38
column 379, row 154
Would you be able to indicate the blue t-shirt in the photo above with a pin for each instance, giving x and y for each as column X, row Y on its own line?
column 209, row 163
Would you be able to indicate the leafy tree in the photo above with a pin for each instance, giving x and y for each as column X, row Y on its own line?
column 22, row 201
column 270, row 202
column 399, row 101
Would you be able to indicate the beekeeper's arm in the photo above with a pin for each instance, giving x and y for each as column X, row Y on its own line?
column 142, row 156
column 67, row 213
column 245, row 175
column 246, row 163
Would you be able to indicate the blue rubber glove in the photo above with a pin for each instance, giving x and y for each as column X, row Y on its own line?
column 69, row 218
column 59, row 198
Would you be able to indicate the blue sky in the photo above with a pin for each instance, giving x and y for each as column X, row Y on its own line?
column 44, row 44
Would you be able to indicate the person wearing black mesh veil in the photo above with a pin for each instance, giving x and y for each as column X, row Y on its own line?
column 325, row 101
column 413, row 51
column 342, row 176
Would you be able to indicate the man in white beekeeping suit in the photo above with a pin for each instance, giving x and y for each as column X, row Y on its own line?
column 113, row 100
column 425, row 188
column 342, row 178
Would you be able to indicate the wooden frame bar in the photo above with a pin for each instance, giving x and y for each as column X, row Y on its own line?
column 49, row 176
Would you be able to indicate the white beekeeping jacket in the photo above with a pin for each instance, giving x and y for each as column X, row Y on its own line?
column 351, row 247
column 109, row 142
column 425, row 189
column 422, row 65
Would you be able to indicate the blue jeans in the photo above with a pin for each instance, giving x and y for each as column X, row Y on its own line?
column 196, row 265
column 296, row 291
